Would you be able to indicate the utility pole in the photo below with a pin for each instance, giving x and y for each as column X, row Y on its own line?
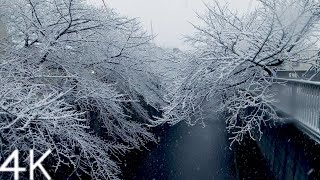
column 151, row 28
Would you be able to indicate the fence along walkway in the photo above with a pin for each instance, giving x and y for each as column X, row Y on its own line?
column 301, row 100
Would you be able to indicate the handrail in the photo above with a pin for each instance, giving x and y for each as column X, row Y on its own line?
column 301, row 100
column 298, row 81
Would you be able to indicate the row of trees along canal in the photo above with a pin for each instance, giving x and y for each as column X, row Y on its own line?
column 68, row 68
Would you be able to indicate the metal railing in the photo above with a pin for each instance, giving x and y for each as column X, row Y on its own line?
column 301, row 100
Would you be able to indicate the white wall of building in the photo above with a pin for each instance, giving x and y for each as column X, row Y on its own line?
column 3, row 31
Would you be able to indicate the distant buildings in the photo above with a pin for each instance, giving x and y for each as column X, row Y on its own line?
column 3, row 31
column 3, row 34
column 301, row 70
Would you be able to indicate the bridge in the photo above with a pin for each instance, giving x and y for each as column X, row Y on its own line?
column 289, row 149
column 300, row 100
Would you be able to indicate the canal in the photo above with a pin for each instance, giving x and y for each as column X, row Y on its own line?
column 196, row 153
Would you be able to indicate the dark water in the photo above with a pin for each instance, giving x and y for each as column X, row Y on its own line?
column 197, row 153
column 190, row 153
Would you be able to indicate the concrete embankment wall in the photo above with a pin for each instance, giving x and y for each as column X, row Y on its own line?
column 290, row 153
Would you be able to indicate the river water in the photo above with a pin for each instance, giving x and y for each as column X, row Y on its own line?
column 197, row 153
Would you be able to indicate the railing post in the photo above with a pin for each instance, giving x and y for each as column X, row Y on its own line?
column 293, row 99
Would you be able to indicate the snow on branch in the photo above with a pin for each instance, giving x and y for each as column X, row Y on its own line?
column 235, row 60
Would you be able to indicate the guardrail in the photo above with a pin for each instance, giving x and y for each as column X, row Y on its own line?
column 301, row 100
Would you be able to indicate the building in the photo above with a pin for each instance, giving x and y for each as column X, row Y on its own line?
column 301, row 70
column 3, row 31
column 3, row 35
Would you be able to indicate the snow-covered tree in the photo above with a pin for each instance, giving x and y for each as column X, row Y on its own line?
column 67, row 69
column 235, row 60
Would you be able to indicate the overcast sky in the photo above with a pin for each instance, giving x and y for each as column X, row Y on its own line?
column 170, row 18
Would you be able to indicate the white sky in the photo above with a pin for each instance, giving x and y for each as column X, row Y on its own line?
column 170, row 18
